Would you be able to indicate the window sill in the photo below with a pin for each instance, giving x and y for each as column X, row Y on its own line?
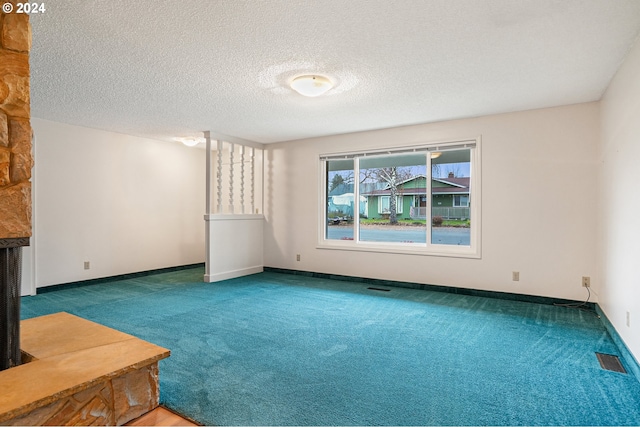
column 403, row 249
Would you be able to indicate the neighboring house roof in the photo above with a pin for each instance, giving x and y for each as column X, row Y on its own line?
column 452, row 186
column 458, row 182
column 413, row 178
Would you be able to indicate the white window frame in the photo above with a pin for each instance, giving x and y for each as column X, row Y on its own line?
column 460, row 196
column 428, row 249
column 399, row 201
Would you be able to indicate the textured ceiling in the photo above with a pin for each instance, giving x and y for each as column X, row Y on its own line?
column 162, row 69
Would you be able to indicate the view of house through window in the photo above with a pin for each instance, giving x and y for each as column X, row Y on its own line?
column 451, row 195
column 418, row 198
column 340, row 200
column 392, row 187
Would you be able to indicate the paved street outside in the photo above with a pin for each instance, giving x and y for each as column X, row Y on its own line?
column 440, row 235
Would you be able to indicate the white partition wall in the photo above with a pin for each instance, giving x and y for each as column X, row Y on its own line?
column 234, row 218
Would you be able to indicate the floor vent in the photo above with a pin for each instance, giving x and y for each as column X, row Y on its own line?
column 379, row 289
column 610, row 363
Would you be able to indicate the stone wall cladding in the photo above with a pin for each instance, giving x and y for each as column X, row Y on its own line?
column 16, row 158
column 111, row 402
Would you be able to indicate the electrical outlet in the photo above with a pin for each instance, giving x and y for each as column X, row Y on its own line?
column 87, row 265
column 586, row 281
column 298, row 257
column 515, row 276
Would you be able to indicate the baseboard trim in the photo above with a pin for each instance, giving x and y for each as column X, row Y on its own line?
column 209, row 278
column 629, row 362
column 435, row 288
column 53, row 288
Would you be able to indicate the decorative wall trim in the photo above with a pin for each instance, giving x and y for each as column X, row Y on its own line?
column 14, row 242
column 81, row 283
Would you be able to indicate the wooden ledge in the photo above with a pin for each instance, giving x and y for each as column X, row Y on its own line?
column 70, row 354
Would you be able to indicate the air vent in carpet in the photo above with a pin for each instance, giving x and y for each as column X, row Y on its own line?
column 379, row 289
column 610, row 363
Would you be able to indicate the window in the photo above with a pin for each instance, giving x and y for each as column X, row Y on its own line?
column 340, row 200
column 423, row 199
column 384, row 207
column 461, row 201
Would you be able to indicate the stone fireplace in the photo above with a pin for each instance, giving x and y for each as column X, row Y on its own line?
column 78, row 372
column 10, row 355
column 15, row 173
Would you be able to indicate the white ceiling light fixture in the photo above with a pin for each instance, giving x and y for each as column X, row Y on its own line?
column 190, row 141
column 311, row 85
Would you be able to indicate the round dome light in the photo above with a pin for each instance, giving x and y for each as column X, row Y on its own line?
column 311, row 85
column 190, row 141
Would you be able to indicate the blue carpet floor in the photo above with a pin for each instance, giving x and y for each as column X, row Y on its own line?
column 277, row 349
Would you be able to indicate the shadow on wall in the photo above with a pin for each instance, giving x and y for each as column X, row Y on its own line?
column 269, row 208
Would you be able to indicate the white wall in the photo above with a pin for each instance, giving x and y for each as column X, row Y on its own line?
column 538, row 201
column 619, row 177
column 235, row 246
column 123, row 203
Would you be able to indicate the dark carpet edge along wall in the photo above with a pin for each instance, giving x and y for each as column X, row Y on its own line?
column 279, row 347
column 629, row 361
column 80, row 283
column 436, row 288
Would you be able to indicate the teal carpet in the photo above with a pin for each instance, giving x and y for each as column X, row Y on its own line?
column 277, row 349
